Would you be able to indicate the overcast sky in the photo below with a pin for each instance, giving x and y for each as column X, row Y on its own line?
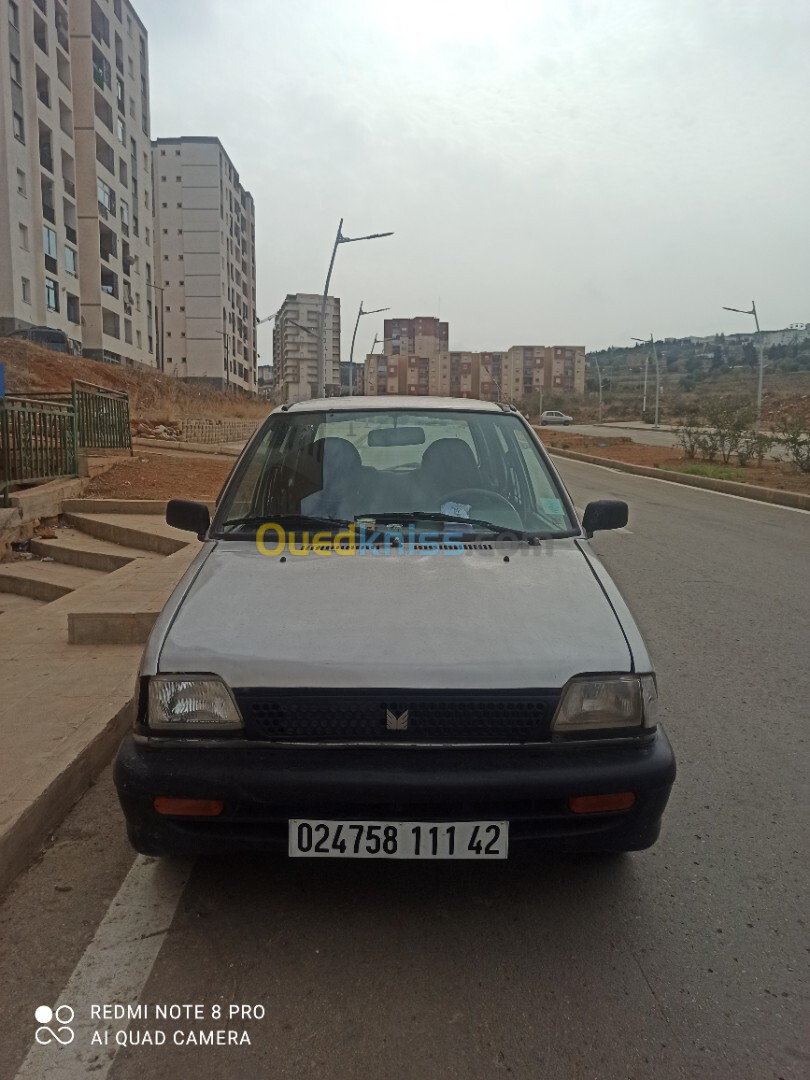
column 555, row 172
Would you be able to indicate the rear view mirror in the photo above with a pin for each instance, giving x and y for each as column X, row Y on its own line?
column 396, row 436
column 189, row 516
column 604, row 514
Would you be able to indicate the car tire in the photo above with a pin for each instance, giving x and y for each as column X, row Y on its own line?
column 566, row 423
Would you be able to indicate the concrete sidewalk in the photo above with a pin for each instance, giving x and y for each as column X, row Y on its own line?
column 63, row 706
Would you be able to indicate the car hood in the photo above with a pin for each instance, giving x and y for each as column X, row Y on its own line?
column 500, row 616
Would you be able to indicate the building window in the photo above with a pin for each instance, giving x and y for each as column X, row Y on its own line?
column 16, row 72
column 121, row 131
column 164, row 205
column 24, row 237
column 49, row 241
column 70, row 261
column 21, row 188
column 165, row 232
column 51, row 294
column 19, row 127
column 26, row 290
column 163, row 181
column 13, row 14
column 179, row 179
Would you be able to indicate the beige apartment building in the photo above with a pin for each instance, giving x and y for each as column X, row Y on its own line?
column 205, row 264
column 75, row 184
column 528, row 369
column 422, row 336
column 491, row 376
column 295, row 346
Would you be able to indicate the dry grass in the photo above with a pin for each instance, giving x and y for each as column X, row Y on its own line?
column 152, row 396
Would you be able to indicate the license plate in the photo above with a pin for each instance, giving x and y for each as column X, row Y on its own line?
column 398, row 839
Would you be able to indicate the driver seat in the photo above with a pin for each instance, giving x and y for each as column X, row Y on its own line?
column 448, row 465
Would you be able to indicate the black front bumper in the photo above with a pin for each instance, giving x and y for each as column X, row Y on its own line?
column 263, row 787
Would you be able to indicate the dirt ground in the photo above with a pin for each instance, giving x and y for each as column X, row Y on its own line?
column 774, row 474
column 163, row 476
column 152, row 395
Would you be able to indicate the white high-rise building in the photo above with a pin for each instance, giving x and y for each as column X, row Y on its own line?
column 295, row 346
column 75, row 178
column 205, row 264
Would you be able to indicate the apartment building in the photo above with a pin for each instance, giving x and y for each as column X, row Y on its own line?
column 422, row 336
column 39, row 283
column 295, row 346
column 205, row 264
column 490, row 376
column 529, row 368
column 75, row 182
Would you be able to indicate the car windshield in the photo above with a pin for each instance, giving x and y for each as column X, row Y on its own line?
column 466, row 472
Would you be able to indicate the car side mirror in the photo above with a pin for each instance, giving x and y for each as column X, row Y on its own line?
column 189, row 516
column 604, row 514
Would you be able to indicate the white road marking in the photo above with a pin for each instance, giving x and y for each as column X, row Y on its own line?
column 686, row 487
column 113, row 970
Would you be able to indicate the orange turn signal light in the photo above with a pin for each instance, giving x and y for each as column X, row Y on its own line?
column 598, row 804
column 189, row 807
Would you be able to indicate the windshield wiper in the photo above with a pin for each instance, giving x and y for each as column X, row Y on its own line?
column 289, row 521
column 437, row 515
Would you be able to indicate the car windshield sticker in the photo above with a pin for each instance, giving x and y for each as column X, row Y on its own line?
column 454, row 509
column 552, row 507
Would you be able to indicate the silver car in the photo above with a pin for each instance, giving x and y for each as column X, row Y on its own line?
column 395, row 642
column 554, row 416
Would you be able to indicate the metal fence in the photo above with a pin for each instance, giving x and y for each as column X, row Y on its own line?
column 38, row 442
column 40, row 437
column 103, row 416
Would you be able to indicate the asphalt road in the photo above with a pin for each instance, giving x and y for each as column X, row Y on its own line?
column 648, row 436
column 686, row 961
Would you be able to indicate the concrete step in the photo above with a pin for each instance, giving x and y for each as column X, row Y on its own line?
column 12, row 604
column 143, row 531
column 45, row 581
column 80, row 549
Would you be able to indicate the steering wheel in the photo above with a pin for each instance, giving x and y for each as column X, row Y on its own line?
column 476, row 496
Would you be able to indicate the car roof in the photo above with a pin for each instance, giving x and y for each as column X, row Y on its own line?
column 394, row 401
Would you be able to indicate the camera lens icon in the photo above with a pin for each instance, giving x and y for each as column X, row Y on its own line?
column 63, row 1016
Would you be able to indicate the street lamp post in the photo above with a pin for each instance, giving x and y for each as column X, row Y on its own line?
column 651, row 343
column 599, row 377
column 339, row 239
column 374, row 311
column 760, row 350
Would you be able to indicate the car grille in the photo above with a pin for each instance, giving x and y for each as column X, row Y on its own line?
column 396, row 716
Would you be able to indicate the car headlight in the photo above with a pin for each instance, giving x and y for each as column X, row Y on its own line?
column 594, row 703
column 191, row 703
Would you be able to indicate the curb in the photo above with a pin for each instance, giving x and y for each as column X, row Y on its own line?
column 794, row 499
column 222, row 449
column 26, row 834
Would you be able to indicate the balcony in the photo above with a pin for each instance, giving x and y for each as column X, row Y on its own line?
column 70, row 187
column 102, row 211
column 49, row 213
column 51, row 264
column 70, row 233
column 46, row 157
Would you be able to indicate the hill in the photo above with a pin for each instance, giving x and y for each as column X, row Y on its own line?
column 152, row 395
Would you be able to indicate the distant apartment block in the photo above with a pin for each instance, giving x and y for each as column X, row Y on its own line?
column 205, row 264
column 295, row 346
column 416, row 360
column 75, row 190
column 422, row 336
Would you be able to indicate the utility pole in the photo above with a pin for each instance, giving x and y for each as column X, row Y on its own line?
column 644, row 398
column 374, row 311
column 339, row 239
column 651, row 342
column 760, row 351
column 599, row 376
